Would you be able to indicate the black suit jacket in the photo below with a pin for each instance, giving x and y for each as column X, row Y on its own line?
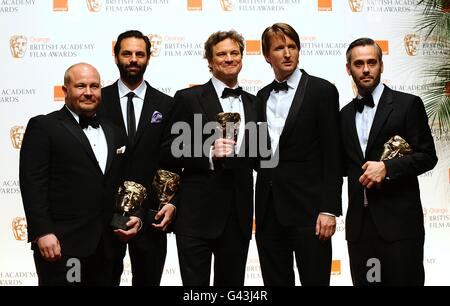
column 307, row 179
column 395, row 208
column 207, row 197
column 63, row 188
column 143, row 157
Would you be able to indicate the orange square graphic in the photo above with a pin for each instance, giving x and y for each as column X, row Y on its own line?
column 336, row 267
column 325, row 5
column 58, row 93
column 194, row 5
column 253, row 47
column 384, row 45
column 61, row 5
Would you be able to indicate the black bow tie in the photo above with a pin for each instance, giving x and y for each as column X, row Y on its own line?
column 366, row 100
column 277, row 86
column 86, row 121
column 228, row 92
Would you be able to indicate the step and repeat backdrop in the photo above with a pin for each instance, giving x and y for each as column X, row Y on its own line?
column 40, row 39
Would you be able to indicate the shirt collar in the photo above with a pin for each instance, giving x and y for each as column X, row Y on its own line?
column 219, row 85
column 139, row 91
column 293, row 79
column 376, row 93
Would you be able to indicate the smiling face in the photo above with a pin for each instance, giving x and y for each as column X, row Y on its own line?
column 82, row 89
column 283, row 55
column 365, row 67
column 226, row 62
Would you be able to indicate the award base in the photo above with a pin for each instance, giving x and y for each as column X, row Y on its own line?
column 120, row 221
column 151, row 217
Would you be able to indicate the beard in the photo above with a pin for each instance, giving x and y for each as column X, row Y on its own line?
column 131, row 77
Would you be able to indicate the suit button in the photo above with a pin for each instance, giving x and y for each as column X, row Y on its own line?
column 270, row 183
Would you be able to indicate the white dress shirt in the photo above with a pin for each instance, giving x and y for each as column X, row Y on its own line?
column 278, row 106
column 364, row 122
column 138, row 100
column 230, row 104
column 97, row 139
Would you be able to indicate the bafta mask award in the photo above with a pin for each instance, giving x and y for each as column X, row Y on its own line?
column 228, row 125
column 129, row 197
column 166, row 184
column 396, row 146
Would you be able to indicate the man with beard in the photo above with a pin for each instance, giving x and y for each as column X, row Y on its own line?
column 384, row 225
column 141, row 112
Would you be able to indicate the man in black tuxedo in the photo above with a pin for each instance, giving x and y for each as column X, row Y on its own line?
column 215, row 202
column 384, row 222
column 141, row 112
column 70, row 170
column 298, row 200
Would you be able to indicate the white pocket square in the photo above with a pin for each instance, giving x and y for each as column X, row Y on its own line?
column 121, row 150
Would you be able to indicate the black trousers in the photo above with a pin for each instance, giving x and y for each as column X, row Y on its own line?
column 147, row 256
column 374, row 261
column 94, row 270
column 230, row 251
column 276, row 247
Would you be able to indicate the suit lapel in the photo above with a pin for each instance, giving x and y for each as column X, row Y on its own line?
column 351, row 123
column 110, row 142
column 383, row 110
column 116, row 109
column 148, row 108
column 295, row 107
column 69, row 122
column 210, row 102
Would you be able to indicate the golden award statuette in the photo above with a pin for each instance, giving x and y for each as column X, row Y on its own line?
column 129, row 197
column 396, row 146
column 166, row 184
column 228, row 125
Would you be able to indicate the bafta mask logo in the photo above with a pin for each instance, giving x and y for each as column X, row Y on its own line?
column 227, row 5
column 94, row 6
column 356, row 5
column 18, row 45
column 156, row 42
column 19, row 228
column 16, row 134
column 411, row 42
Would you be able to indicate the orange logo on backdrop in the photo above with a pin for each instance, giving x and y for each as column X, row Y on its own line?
column 18, row 45
column 16, row 134
column 227, row 5
column 336, row 267
column 60, row 5
column 19, row 228
column 94, row 5
column 412, row 42
column 194, row 5
column 325, row 5
column 384, row 45
column 156, row 42
column 253, row 47
column 356, row 5
column 58, row 93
